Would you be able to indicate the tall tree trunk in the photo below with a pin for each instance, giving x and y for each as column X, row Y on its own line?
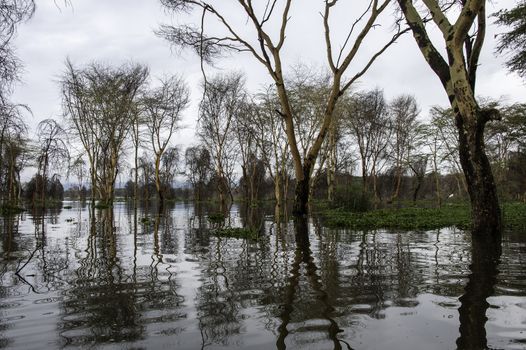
column 11, row 186
column 438, row 191
column 277, row 190
column 398, row 183
column 245, row 182
column 417, row 189
column 93, row 177
column 458, row 77
column 301, row 197
column 331, row 164
column 485, row 209
column 158, row 184
column 136, row 177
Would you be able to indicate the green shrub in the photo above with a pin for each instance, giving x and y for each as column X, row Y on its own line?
column 351, row 198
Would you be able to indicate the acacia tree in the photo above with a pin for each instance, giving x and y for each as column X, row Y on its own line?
column 224, row 98
column 13, row 130
column 458, row 73
column 369, row 125
column 199, row 169
column 100, row 106
column 12, row 13
column 244, row 130
column 52, row 150
column 266, row 46
column 268, row 133
column 163, row 107
column 403, row 111
column 443, row 130
column 513, row 42
column 169, row 166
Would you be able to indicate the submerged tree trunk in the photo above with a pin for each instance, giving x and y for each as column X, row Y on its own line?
column 158, row 185
column 331, row 164
column 458, row 78
column 485, row 209
column 302, row 191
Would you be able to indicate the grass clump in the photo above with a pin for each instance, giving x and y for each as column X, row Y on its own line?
column 514, row 215
column 406, row 218
column 236, row 232
column 216, row 218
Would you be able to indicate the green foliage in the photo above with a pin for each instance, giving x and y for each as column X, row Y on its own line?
column 450, row 215
column 236, row 232
column 351, row 198
column 103, row 206
column 8, row 210
column 514, row 41
column 514, row 215
column 216, row 218
column 53, row 189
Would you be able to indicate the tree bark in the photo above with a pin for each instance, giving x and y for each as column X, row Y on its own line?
column 158, row 185
column 301, row 197
column 331, row 165
column 485, row 209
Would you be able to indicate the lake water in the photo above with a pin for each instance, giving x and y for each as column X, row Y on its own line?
column 111, row 281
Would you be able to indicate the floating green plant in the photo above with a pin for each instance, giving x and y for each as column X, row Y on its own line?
column 237, row 232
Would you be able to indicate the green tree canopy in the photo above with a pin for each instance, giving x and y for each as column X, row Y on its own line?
column 514, row 41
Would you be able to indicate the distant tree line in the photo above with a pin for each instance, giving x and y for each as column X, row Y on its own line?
column 383, row 148
column 305, row 128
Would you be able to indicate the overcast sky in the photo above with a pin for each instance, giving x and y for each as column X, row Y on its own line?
column 117, row 31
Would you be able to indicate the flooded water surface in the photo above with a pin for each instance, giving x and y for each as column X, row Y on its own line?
column 129, row 279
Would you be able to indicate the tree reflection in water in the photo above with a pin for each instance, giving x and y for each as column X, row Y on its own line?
column 150, row 280
column 485, row 258
column 303, row 256
column 100, row 305
column 109, row 302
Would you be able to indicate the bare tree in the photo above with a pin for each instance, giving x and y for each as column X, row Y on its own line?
column 268, row 133
column 13, row 147
column 369, row 125
column 163, row 107
column 12, row 13
column 444, row 135
column 244, row 131
column 100, row 106
column 403, row 111
column 266, row 46
column 458, row 73
column 223, row 100
column 51, row 151
column 199, row 169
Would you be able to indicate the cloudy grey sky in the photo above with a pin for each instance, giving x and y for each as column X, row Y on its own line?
column 117, row 31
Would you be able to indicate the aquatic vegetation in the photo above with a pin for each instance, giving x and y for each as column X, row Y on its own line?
column 216, row 218
column 450, row 215
column 236, row 232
